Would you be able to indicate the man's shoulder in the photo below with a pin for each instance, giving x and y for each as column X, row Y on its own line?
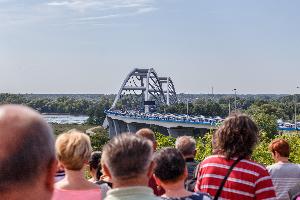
column 131, row 193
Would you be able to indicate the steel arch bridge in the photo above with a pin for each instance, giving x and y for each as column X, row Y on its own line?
column 147, row 88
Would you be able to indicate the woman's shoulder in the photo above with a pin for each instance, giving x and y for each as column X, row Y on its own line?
column 213, row 158
column 65, row 185
column 76, row 194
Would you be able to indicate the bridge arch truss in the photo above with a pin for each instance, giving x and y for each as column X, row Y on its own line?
column 147, row 86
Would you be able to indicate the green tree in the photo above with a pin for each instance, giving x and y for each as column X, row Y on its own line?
column 99, row 139
column 267, row 124
column 96, row 111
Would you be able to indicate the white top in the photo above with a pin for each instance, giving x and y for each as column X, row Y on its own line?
column 284, row 177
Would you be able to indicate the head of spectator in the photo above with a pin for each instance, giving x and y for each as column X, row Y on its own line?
column 170, row 167
column 95, row 166
column 170, row 172
column 27, row 155
column 73, row 151
column 149, row 134
column 127, row 160
column 236, row 137
column 187, row 146
column 280, row 150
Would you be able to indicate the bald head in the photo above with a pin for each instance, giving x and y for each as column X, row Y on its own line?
column 26, row 147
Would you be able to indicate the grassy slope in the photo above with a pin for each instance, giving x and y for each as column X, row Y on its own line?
column 60, row 128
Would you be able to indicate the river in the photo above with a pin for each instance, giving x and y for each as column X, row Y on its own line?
column 65, row 119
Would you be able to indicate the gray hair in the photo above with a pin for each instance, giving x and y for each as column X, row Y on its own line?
column 186, row 145
column 127, row 156
column 27, row 146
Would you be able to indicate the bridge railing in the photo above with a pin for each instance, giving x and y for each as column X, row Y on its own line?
column 165, row 118
column 178, row 118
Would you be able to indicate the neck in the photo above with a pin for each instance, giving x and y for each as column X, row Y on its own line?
column 93, row 174
column 175, row 189
column 74, row 176
column 189, row 158
column 33, row 192
column 282, row 159
column 139, row 181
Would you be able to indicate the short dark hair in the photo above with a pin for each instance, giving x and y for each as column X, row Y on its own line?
column 170, row 164
column 237, row 136
column 127, row 156
column 281, row 146
column 32, row 154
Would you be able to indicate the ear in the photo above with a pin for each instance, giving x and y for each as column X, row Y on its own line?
column 60, row 166
column 158, row 182
column 276, row 154
column 50, row 180
column 185, row 173
column 151, row 169
column 154, row 146
column 106, row 170
column 195, row 152
column 86, row 162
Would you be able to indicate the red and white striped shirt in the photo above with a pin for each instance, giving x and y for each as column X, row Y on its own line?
column 248, row 180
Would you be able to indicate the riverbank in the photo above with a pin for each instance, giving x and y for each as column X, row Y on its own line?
column 60, row 128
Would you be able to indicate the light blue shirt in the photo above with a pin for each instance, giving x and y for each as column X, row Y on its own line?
column 131, row 193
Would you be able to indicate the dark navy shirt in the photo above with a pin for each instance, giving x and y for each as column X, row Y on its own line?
column 194, row 196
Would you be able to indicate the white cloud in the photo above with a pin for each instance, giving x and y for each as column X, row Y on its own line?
column 85, row 5
column 97, row 11
column 118, row 15
column 146, row 10
column 13, row 12
column 99, row 17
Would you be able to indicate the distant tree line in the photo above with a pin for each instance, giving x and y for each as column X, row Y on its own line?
column 63, row 105
column 265, row 109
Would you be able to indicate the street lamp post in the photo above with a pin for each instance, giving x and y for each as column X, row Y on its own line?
column 187, row 107
column 295, row 101
column 229, row 108
column 235, row 107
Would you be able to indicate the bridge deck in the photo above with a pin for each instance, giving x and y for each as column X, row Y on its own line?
column 163, row 122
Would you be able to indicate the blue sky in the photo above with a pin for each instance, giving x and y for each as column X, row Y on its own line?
column 89, row 46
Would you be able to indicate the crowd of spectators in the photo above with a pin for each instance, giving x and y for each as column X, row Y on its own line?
column 167, row 117
column 34, row 165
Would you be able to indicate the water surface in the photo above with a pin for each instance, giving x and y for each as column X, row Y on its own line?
column 65, row 119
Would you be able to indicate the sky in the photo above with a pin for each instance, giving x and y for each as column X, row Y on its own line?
column 89, row 46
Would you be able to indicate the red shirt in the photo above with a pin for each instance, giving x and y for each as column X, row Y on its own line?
column 248, row 180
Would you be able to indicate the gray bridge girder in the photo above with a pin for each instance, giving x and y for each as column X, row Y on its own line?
column 119, row 124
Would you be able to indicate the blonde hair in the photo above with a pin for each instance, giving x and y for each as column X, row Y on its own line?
column 73, row 149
